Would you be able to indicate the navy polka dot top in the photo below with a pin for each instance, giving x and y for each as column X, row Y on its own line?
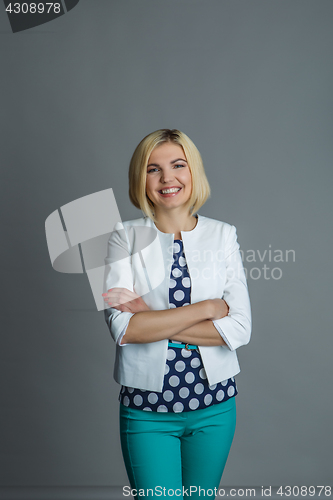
column 185, row 386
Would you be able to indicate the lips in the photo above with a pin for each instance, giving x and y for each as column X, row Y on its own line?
column 170, row 191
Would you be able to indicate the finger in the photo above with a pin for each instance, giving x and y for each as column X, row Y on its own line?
column 122, row 308
column 125, row 309
column 118, row 291
column 122, row 297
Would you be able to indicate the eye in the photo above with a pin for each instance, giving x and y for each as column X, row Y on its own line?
column 151, row 170
column 179, row 165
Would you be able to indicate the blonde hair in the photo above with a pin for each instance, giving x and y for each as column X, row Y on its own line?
column 138, row 170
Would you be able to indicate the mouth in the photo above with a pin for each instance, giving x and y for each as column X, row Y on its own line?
column 170, row 191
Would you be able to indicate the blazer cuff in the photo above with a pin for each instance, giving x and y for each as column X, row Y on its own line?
column 119, row 339
column 222, row 335
column 117, row 322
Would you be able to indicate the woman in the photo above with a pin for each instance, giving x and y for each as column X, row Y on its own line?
column 179, row 310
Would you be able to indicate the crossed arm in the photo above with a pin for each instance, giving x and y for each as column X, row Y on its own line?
column 190, row 324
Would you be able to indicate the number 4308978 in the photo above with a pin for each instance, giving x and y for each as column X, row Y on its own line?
column 303, row 491
column 33, row 8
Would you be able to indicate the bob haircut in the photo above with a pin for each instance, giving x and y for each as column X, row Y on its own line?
column 138, row 170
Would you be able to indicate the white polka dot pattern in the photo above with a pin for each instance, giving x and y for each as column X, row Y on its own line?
column 186, row 282
column 189, row 377
column 185, row 353
column 180, row 366
column 220, row 395
column 179, row 295
column 231, row 391
column 178, row 407
column 182, row 261
column 208, row 399
column 176, row 247
column 171, row 354
column 152, row 398
column 176, row 273
column 174, row 381
column 185, row 386
column 193, row 404
column 168, row 395
column 195, row 362
column 138, row 400
column 198, row 388
column 184, row 392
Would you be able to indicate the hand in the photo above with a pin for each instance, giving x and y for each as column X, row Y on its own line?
column 125, row 301
column 219, row 308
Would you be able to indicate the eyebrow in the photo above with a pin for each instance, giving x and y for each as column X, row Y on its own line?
column 173, row 161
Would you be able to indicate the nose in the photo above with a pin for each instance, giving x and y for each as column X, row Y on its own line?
column 167, row 175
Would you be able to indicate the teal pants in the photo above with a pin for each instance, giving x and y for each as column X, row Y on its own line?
column 177, row 454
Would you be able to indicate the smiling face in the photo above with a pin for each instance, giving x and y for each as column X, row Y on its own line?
column 169, row 181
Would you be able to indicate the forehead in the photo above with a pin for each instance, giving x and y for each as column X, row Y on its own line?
column 167, row 152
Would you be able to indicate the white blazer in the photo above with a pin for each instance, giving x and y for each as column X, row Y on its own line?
column 140, row 258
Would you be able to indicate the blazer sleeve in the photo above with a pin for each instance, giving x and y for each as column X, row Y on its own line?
column 118, row 273
column 236, row 327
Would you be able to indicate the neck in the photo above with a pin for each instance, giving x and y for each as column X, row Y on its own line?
column 174, row 222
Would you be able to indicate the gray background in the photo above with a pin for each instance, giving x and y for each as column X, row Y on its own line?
column 251, row 83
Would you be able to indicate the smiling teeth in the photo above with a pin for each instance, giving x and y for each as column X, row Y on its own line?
column 171, row 190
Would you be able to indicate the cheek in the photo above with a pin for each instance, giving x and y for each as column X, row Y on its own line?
column 188, row 180
column 149, row 186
